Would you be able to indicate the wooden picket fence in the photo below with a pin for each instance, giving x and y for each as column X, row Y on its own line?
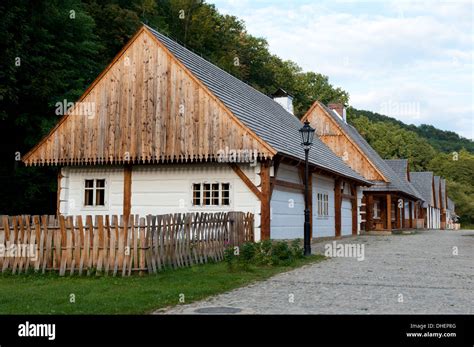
column 117, row 245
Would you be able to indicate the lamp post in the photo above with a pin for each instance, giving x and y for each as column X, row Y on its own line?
column 307, row 134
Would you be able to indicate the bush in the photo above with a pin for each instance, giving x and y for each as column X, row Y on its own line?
column 248, row 251
column 266, row 253
column 263, row 254
column 296, row 249
column 229, row 257
column 281, row 253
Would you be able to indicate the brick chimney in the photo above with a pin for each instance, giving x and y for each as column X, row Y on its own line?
column 339, row 109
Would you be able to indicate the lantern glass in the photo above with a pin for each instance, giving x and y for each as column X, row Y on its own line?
column 307, row 135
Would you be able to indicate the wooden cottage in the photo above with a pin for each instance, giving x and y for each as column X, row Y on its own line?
column 391, row 202
column 411, row 213
column 426, row 184
column 171, row 132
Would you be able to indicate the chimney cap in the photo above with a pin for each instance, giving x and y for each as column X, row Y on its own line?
column 280, row 92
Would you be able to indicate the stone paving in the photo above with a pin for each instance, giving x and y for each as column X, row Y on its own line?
column 401, row 274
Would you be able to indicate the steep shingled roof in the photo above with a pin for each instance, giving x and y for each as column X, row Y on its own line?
column 395, row 182
column 270, row 121
column 423, row 183
column 400, row 167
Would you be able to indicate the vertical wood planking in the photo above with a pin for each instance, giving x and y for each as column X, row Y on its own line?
column 134, row 244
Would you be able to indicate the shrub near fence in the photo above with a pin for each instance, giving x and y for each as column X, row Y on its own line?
column 117, row 245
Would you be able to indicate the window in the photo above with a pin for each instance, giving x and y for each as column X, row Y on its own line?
column 211, row 194
column 94, row 192
column 323, row 204
column 376, row 210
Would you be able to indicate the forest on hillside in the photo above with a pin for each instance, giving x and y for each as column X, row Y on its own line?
column 52, row 50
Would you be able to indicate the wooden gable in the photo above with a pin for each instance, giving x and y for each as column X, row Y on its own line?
column 340, row 143
column 148, row 108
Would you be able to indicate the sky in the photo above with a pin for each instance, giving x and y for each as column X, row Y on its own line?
column 411, row 60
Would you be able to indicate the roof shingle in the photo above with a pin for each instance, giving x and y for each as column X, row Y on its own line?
column 395, row 182
column 270, row 121
column 423, row 183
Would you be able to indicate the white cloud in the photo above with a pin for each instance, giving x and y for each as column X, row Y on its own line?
column 402, row 51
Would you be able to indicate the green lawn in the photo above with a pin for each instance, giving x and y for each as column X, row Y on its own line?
column 50, row 294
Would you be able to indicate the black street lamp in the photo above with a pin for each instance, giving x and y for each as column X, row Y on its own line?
column 307, row 134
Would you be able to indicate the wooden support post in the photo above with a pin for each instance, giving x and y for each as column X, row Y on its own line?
column 415, row 215
column 246, row 180
column 410, row 211
column 265, row 189
column 354, row 209
column 58, row 195
column 127, row 190
column 310, row 202
column 443, row 219
column 369, row 202
column 389, row 212
column 337, row 205
column 403, row 214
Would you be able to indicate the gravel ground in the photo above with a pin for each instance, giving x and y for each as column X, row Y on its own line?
column 400, row 274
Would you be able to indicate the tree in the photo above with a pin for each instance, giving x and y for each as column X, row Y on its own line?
column 48, row 54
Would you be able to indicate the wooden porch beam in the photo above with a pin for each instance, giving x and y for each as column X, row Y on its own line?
column 354, row 208
column 310, row 203
column 337, row 206
column 265, row 200
column 127, row 190
column 403, row 214
column 410, row 211
column 58, row 194
column 389, row 212
column 349, row 196
column 287, row 184
column 246, row 180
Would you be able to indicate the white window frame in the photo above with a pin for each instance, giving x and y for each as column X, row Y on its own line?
column 322, row 201
column 211, row 207
column 106, row 194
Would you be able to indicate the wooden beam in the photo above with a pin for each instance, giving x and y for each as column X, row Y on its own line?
column 349, row 196
column 354, row 209
column 403, row 214
column 127, row 190
column 287, row 184
column 265, row 200
column 246, row 180
column 58, row 194
column 410, row 211
column 389, row 212
column 337, row 205
column 310, row 203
